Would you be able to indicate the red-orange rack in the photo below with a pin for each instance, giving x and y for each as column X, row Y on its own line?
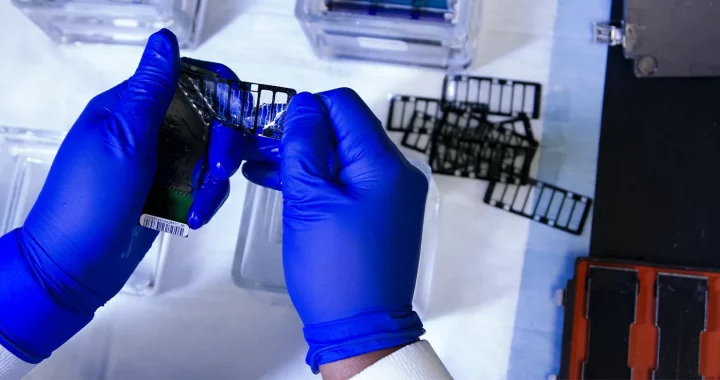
column 639, row 321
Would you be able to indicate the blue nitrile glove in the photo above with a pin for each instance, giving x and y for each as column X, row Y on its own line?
column 351, row 240
column 81, row 241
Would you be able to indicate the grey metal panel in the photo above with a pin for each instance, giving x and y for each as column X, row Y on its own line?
column 673, row 38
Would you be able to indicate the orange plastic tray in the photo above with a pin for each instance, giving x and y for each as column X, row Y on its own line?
column 643, row 333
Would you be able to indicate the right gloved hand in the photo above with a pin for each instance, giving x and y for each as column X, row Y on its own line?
column 351, row 237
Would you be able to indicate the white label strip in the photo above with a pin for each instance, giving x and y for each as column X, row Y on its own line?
column 164, row 225
column 382, row 44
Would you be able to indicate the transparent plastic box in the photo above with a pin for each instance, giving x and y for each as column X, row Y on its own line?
column 434, row 33
column 258, row 258
column 116, row 21
column 25, row 159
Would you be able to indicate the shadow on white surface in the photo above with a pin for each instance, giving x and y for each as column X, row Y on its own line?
column 180, row 268
column 192, row 335
column 470, row 275
column 86, row 357
column 232, row 338
column 508, row 26
column 495, row 45
column 221, row 13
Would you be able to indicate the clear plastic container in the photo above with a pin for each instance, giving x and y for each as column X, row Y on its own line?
column 441, row 33
column 258, row 258
column 116, row 21
column 25, row 159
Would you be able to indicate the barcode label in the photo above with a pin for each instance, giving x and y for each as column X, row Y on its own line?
column 164, row 225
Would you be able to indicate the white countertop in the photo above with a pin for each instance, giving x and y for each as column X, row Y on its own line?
column 200, row 325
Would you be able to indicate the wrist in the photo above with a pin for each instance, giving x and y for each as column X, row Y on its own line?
column 361, row 334
column 39, row 302
column 347, row 368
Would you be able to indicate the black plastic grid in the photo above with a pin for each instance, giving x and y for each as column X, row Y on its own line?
column 681, row 319
column 541, row 202
column 420, row 142
column 464, row 145
column 418, row 127
column 611, row 304
column 484, row 160
column 413, row 113
column 256, row 109
column 503, row 97
column 515, row 131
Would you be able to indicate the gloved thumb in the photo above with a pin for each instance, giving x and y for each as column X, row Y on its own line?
column 145, row 101
column 305, row 146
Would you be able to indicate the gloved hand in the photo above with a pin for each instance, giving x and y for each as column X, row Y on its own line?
column 351, row 239
column 81, row 241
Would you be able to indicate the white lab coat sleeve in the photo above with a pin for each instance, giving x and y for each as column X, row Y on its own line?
column 12, row 368
column 417, row 361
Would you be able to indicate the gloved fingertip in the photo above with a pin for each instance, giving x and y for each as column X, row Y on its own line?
column 162, row 52
column 261, row 149
column 306, row 140
column 338, row 97
column 324, row 99
column 263, row 173
column 221, row 171
column 195, row 221
column 244, row 171
column 226, row 151
column 164, row 37
column 304, row 97
column 159, row 66
column 306, row 102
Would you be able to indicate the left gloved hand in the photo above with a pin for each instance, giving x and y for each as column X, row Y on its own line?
column 81, row 241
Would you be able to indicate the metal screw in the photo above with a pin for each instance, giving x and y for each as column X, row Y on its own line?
column 647, row 65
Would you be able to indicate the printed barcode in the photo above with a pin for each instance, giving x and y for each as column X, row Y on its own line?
column 164, row 225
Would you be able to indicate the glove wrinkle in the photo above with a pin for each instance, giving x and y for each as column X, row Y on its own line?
column 62, row 287
column 118, row 138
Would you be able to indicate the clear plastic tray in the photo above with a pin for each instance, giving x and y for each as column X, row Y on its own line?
column 25, row 159
column 258, row 258
column 441, row 33
column 116, row 21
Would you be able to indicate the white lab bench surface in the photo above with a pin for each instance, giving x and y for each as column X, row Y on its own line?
column 199, row 324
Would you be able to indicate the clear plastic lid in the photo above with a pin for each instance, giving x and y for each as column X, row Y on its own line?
column 258, row 258
column 25, row 159
column 116, row 21
column 435, row 33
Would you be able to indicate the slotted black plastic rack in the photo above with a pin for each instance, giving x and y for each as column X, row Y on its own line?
column 503, row 97
column 481, row 128
column 465, row 145
column 544, row 203
column 463, row 142
column 413, row 114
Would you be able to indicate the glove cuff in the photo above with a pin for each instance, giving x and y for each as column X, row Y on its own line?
column 367, row 332
column 35, row 315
